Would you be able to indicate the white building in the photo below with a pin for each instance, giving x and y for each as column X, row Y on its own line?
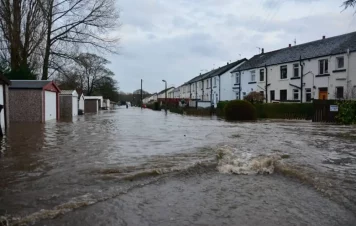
column 162, row 94
column 322, row 69
column 81, row 101
column 223, row 82
column 68, row 103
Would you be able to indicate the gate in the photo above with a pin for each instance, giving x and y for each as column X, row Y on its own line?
column 324, row 110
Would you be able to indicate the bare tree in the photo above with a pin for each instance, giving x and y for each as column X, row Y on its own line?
column 21, row 32
column 76, row 24
column 349, row 3
column 92, row 70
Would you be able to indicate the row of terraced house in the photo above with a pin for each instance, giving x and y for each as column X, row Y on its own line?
column 322, row 69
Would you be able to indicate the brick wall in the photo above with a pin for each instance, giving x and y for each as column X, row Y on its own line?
column 25, row 105
column 66, row 106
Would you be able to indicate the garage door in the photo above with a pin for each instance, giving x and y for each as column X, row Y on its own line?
column 50, row 105
column 74, row 106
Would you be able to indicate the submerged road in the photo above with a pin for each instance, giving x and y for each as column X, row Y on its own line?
column 140, row 167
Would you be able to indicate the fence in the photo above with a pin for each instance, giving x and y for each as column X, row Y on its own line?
column 325, row 110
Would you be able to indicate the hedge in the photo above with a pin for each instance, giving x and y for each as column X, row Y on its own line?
column 285, row 110
column 239, row 110
column 277, row 110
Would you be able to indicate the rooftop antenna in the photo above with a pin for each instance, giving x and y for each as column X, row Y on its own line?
column 240, row 56
column 295, row 41
column 259, row 49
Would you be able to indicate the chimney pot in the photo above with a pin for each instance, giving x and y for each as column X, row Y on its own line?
column 323, row 36
column 263, row 50
column 290, row 45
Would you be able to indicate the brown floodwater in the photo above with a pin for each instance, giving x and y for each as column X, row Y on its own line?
column 140, row 167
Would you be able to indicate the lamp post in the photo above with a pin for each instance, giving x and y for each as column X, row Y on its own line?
column 165, row 95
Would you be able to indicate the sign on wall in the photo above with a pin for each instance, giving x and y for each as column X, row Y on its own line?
column 334, row 108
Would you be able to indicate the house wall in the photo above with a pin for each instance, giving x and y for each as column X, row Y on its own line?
column 207, row 90
column 91, row 106
column 66, row 106
column 204, row 104
column 311, row 79
column 81, row 103
column 215, row 88
column 228, row 89
column 26, row 105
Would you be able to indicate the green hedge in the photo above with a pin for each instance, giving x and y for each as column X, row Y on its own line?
column 239, row 110
column 176, row 110
column 154, row 106
column 285, row 110
column 347, row 112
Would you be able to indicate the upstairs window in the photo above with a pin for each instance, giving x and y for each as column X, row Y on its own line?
column 284, row 72
column 214, row 81
column 253, row 76
column 295, row 70
column 237, row 78
column 340, row 62
column 262, row 75
column 323, row 67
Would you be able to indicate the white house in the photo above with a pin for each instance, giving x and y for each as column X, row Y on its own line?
column 162, row 94
column 322, row 69
column 4, row 101
column 68, row 103
column 177, row 93
column 222, row 82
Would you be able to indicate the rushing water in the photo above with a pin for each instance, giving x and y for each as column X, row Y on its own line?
column 140, row 167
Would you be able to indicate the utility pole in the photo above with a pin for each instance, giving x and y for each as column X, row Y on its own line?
column 141, row 94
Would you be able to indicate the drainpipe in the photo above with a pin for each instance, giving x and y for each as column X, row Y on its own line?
column 347, row 71
column 211, row 90
column 301, row 79
column 266, row 79
column 219, row 88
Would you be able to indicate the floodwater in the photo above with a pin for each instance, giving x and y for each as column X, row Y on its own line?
column 140, row 167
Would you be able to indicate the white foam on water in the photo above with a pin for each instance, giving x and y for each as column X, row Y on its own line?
column 244, row 163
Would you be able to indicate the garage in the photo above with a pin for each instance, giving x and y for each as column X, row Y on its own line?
column 33, row 101
column 50, row 105
column 4, row 102
column 69, row 103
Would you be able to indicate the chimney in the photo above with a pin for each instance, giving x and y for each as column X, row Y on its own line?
column 290, row 45
column 263, row 50
column 323, row 36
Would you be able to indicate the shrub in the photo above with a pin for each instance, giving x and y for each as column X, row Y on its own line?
column 177, row 110
column 347, row 112
column 285, row 110
column 154, row 106
column 239, row 110
column 255, row 97
column 220, row 108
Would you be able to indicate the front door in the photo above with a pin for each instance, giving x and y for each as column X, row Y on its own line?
column 323, row 93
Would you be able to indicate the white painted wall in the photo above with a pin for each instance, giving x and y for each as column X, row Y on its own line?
column 50, row 105
column 81, row 103
column 2, row 101
column 311, row 80
column 204, row 104
column 74, row 106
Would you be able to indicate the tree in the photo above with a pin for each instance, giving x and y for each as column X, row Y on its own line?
column 349, row 3
column 75, row 24
column 107, row 87
column 21, row 33
column 254, row 97
column 92, row 70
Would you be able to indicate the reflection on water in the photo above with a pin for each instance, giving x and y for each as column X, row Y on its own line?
column 46, row 165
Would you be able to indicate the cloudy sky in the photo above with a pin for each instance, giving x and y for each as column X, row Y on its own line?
column 178, row 39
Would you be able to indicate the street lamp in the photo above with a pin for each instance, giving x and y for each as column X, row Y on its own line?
column 165, row 95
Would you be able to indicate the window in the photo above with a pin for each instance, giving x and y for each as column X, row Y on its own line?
column 253, row 76
column 323, row 67
column 262, row 75
column 272, row 95
column 295, row 94
column 237, row 78
column 283, row 72
column 283, row 95
column 207, row 83
column 214, row 81
column 295, row 70
column 237, row 96
column 340, row 62
column 308, row 96
column 340, row 92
